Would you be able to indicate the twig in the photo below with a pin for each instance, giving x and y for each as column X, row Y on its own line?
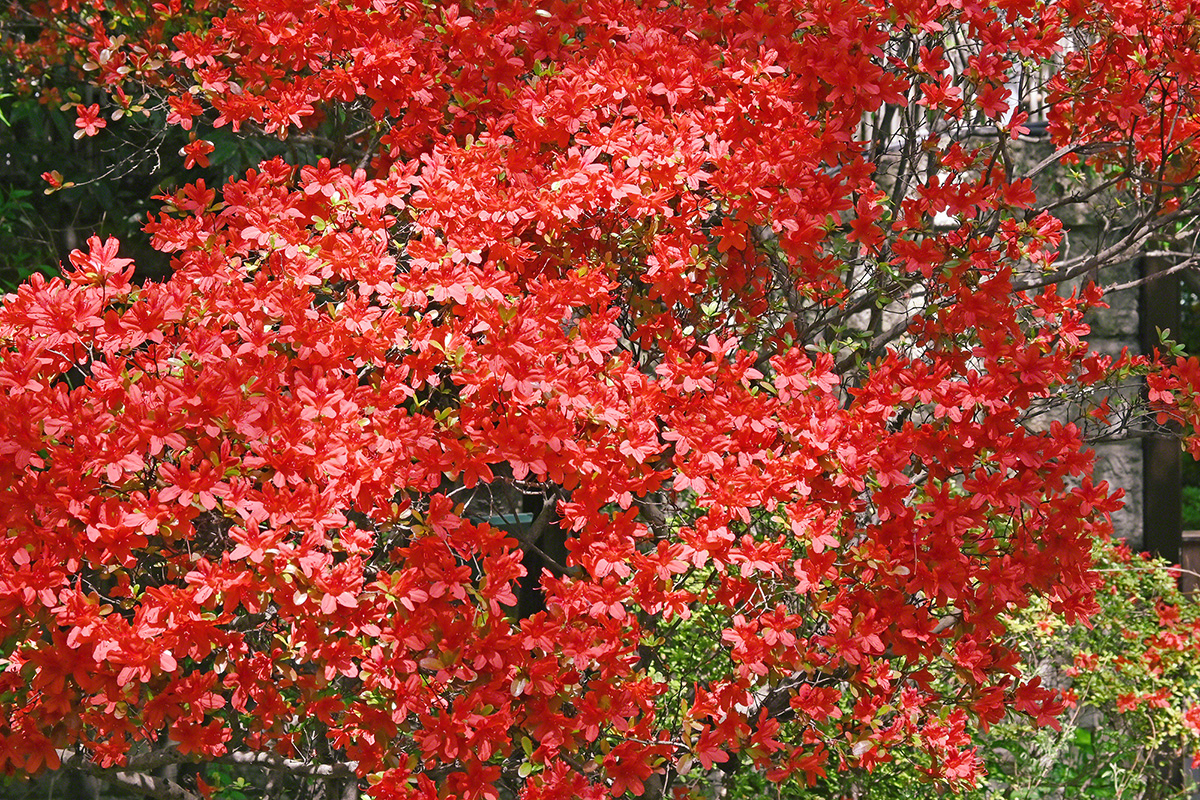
column 1120, row 287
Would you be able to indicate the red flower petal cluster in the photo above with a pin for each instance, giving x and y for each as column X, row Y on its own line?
column 648, row 405
column 88, row 121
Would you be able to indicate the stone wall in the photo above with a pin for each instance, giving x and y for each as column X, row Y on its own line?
column 1119, row 461
column 1088, row 227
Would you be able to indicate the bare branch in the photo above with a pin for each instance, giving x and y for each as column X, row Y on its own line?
column 138, row 781
column 1191, row 261
column 1052, row 159
column 529, row 538
column 342, row 769
column 149, row 786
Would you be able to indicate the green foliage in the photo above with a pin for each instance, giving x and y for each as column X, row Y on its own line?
column 110, row 187
column 21, row 252
column 226, row 785
column 1191, row 506
column 1129, row 677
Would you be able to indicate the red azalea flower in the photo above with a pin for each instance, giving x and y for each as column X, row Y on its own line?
column 196, row 153
column 88, row 121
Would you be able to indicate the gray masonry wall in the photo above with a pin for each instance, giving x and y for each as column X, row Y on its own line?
column 1118, row 451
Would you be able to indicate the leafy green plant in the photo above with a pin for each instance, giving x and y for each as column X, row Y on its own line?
column 22, row 253
column 1131, row 679
column 1191, row 507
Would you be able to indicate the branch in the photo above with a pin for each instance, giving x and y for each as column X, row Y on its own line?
column 1051, row 159
column 153, row 760
column 1110, row 256
column 149, row 786
column 878, row 344
column 1190, row 261
column 528, row 540
column 133, row 773
column 656, row 518
column 540, row 524
column 341, row 769
column 140, row 782
column 1083, row 195
column 301, row 138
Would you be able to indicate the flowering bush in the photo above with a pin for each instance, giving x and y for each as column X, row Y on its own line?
column 632, row 389
column 1130, row 681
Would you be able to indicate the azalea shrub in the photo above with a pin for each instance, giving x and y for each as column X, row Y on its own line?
column 1130, row 682
column 623, row 391
column 1132, row 687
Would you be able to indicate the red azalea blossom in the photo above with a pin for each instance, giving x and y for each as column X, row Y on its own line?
column 196, row 153
column 88, row 120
